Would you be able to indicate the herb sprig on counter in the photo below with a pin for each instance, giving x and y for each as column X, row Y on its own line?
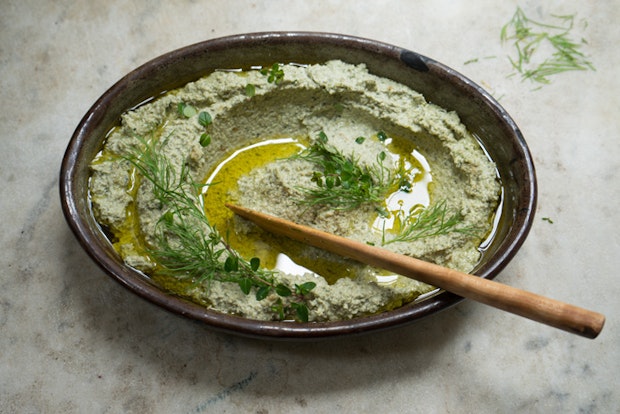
column 187, row 246
column 531, row 39
column 342, row 182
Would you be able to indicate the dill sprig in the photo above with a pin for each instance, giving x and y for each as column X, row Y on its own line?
column 530, row 36
column 188, row 246
column 342, row 182
column 434, row 220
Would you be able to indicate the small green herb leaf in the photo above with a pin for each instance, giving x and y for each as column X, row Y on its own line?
column 317, row 178
column 262, row 292
column 250, row 90
column 304, row 288
column 254, row 263
column 283, row 290
column 180, row 108
column 246, row 285
column 279, row 309
column 360, row 140
column 167, row 218
column 205, row 139
column 231, row 264
column 301, row 311
column 204, row 119
column 323, row 137
column 186, row 110
column 329, row 182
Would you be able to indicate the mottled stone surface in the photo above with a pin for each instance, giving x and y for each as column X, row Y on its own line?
column 74, row 341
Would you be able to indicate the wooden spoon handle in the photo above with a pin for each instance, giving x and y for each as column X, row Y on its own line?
column 520, row 302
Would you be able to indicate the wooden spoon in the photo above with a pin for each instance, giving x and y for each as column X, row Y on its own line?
column 530, row 305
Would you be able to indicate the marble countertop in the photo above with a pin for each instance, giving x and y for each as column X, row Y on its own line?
column 72, row 340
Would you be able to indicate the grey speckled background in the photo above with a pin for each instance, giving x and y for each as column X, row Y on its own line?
column 72, row 340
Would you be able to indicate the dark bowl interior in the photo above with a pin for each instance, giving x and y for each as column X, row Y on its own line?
column 438, row 83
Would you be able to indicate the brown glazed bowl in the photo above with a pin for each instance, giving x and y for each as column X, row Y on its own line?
column 438, row 83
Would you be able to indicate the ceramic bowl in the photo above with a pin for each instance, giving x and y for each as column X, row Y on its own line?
column 437, row 82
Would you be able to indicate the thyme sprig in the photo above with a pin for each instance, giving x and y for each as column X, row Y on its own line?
column 342, row 182
column 187, row 246
column 274, row 73
column 434, row 220
column 530, row 36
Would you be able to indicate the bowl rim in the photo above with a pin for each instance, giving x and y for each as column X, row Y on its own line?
column 140, row 285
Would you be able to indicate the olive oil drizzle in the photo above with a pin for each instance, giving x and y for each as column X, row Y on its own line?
column 221, row 183
column 274, row 252
column 293, row 257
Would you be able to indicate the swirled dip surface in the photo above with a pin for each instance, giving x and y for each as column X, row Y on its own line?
column 345, row 102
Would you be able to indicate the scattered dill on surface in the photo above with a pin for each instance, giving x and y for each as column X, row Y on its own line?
column 532, row 38
column 187, row 246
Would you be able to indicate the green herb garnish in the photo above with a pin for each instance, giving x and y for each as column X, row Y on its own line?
column 530, row 37
column 431, row 221
column 204, row 119
column 381, row 136
column 250, row 90
column 299, row 308
column 205, row 139
column 344, row 184
column 341, row 181
column 188, row 247
column 274, row 74
column 186, row 110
